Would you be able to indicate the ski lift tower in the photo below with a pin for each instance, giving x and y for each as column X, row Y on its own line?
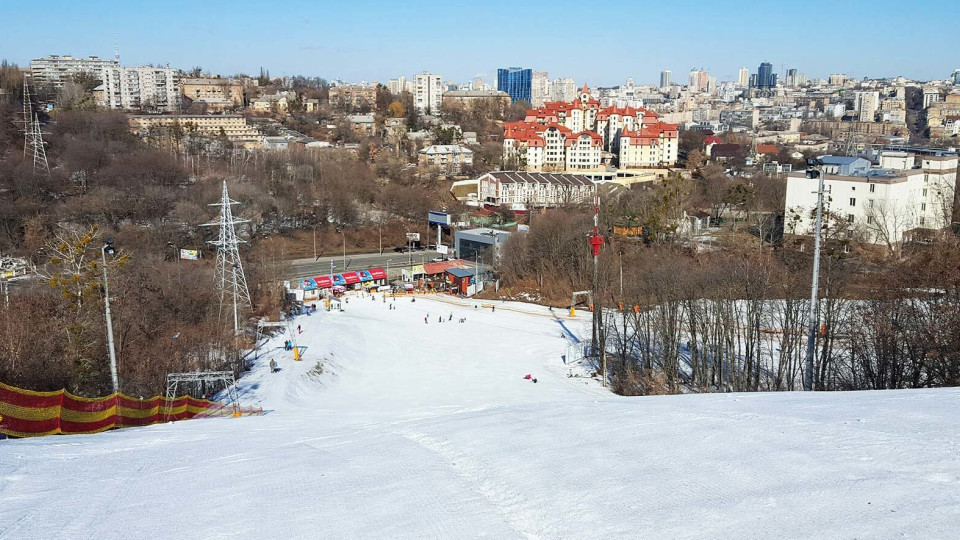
column 596, row 240
column 202, row 379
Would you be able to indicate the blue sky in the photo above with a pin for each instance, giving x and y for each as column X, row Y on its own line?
column 600, row 43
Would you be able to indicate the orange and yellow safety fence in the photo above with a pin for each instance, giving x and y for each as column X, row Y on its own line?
column 27, row 413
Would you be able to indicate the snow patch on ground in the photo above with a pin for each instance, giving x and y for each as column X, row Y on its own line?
column 428, row 430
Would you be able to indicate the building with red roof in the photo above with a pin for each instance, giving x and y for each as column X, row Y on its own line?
column 652, row 146
column 574, row 135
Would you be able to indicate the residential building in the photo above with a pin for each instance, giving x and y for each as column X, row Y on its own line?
column 942, row 116
column 144, row 88
column 878, row 206
column 584, row 151
column 540, row 89
column 233, row 127
column 867, row 104
column 743, row 78
column 427, row 93
column 665, row 78
column 362, row 124
column 521, row 191
column 653, row 146
column 399, row 85
column 213, row 89
column 563, row 90
column 517, row 82
column 54, row 70
column 273, row 102
column 837, row 79
column 450, row 157
column 470, row 98
column 354, row 96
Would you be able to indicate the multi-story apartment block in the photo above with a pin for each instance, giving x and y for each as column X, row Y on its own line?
column 652, row 146
column 54, row 70
column 563, row 90
column 213, row 90
column 354, row 96
column 427, row 93
column 540, row 88
column 878, row 206
column 234, row 127
column 743, row 77
column 942, row 116
column 450, row 157
column 140, row 88
column 573, row 136
column 470, row 98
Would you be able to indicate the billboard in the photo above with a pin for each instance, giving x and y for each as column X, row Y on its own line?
column 413, row 237
column 438, row 218
column 442, row 249
column 190, row 254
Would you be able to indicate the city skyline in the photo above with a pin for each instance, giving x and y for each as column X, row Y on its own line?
column 368, row 42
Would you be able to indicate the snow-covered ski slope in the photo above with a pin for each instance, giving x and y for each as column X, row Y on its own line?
column 414, row 430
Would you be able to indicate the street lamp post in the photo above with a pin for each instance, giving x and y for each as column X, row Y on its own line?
column 814, row 170
column 108, row 248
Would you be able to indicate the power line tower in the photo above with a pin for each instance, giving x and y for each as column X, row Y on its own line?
column 36, row 142
column 27, row 117
column 229, row 272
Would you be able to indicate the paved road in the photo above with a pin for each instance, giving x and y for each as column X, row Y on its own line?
column 390, row 261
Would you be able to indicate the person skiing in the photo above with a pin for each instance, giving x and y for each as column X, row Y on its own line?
column 425, row 321
column 451, row 316
column 299, row 330
column 273, row 366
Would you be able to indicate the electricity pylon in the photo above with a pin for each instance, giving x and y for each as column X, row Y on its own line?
column 229, row 272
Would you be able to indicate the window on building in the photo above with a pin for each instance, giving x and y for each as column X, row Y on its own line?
column 869, row 220
column 922, row 221
column 924, row 192
column 923, row 206
column 853, row 201
column 873, row 188
column 849, row 218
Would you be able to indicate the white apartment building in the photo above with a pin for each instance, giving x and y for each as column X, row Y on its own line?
column 140, row 88
column 656, row 145
column 54, row 70
column 867, row 105
column 563, row 90
column 584, row 151
column 881, row 206
column 427, row 93
column 450, row 157
column 743, row 78
column 520, row 191
column 539, row 88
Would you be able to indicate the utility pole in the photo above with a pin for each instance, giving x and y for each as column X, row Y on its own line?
column 815, row 170
column 340, row 230
column 596, row 240
column 108, row 248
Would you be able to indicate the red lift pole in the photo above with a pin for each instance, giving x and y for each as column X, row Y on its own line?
column 596, row 240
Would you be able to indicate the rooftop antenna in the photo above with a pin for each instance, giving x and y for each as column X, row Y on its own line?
column 116, row 48
column 229, row 272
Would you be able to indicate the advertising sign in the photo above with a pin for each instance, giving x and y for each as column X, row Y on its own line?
column 190, row 254
column 338, row 280
column 442, row 249
column 438, row 218
column 308, row 285
column 365, row 275
column 413, row 237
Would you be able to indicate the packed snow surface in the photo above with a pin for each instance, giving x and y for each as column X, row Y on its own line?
column 395, row 428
